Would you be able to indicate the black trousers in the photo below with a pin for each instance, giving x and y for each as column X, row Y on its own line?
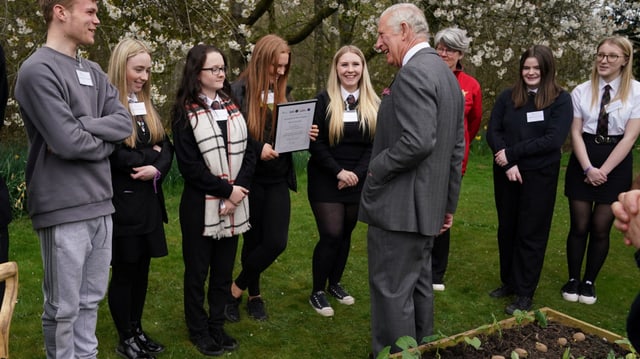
column 206, row 257
column 525, row 212
column 5, row 219
column 127, row 294
column 269, row 209
column 440, row 256
column 4, row 255
column 633, row 323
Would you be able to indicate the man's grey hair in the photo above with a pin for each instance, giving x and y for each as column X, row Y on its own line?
column 453, row 38
column 409, row 14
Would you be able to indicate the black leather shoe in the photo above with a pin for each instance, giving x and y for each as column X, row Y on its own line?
column 207, row 346
column 223, row 339
column 131, row 350
column 147, row 343
column 501, row 292
column 521, row 303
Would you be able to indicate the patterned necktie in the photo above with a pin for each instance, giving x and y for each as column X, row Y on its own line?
column 351, row 103
column 215, row 105
column 603, row 116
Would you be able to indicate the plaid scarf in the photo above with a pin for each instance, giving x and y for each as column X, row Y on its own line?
column 224, row 162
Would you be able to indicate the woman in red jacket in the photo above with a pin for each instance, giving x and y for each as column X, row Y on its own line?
column 451, row 44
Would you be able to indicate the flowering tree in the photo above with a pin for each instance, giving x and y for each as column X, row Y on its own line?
column 501, row 30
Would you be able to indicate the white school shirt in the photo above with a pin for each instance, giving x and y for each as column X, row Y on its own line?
column 345, row 94
column 619, row 112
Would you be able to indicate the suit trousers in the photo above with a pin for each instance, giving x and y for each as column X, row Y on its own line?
column 400, row 286
column 525, row 212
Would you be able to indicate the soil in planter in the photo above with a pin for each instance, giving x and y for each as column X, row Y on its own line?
column 525, row 337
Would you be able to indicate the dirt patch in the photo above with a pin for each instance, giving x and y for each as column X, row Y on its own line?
column 526, row 337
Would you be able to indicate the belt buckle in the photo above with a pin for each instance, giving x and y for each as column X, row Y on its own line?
column 600, row 139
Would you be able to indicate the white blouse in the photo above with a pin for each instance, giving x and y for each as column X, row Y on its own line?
column 619, row 112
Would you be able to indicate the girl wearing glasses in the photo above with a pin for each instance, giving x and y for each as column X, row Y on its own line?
column 260, row 86
column 451, row 45
column 138, row 166
column 214, row 158
column 606, row 123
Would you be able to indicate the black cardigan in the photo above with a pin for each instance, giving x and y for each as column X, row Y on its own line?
column 530, row 145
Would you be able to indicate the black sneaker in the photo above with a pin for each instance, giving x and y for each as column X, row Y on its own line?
column 340, row 294
column 587, row 293
column 207, row 346
column 255, row 307
column 521, row 303
column 223, row 339
column 319, row 302
column 570, row 290
column 232, row 310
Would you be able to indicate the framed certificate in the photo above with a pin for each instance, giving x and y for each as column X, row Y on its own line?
column 294, row 122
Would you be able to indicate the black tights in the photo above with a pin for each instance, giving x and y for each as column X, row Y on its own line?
column 127, row 293
column 589, row 223
column 335, row 223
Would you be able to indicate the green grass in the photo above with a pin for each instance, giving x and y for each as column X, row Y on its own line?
column 294, row 330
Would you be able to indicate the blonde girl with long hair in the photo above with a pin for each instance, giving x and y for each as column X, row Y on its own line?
column 138, row 166
column 346, row 117
column 606, row 124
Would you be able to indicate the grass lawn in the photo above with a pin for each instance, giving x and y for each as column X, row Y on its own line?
column 294, row 330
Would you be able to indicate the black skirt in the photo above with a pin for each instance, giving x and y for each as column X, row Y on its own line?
column 132, row 248
column 619, row 180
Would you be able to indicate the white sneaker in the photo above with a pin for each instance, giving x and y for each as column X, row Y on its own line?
column 438, row 287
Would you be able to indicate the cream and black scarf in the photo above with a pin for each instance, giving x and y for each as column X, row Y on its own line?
column 224, row 162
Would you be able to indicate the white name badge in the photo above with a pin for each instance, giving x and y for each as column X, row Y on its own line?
column 137, row 108
column 84, row 77
column 537, row 116
column 350, row 116
column 617, row 104
column 220, row 115
column 269, row 98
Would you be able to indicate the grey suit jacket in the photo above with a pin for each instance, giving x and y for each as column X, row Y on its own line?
column 415, row 169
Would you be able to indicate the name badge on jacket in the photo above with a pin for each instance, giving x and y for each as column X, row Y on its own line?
column 137, row 108
column 537, row 116
column 350, row 116
column 220, row 115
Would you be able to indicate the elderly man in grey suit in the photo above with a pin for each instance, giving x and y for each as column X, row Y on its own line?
column 412, row 187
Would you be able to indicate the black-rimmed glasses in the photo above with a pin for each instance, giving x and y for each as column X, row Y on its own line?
column 609, row 57
column 215, row 70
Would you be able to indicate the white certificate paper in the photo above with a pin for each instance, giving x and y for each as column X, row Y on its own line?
column 294, row 123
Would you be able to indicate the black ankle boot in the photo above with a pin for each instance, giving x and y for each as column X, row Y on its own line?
column 130, row 349
column 147, row 343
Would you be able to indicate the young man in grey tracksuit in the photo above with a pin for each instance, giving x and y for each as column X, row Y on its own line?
column 73, row 118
